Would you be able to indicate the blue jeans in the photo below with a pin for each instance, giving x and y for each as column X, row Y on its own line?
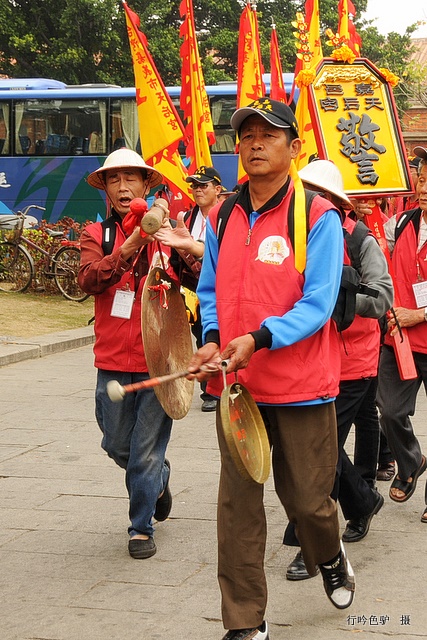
column 136, row 433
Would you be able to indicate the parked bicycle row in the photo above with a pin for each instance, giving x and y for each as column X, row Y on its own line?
column 59, row 260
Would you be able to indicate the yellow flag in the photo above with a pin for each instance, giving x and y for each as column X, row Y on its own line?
column 194, row 100
column 160, row 126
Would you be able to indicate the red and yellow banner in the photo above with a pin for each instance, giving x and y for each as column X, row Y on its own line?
column 346, row 28
column 250, row 85
column 160, row 127
column 309, row 55
column 194, row 100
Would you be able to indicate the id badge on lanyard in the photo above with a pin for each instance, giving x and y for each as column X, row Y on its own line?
column 123, row 303
column 420, row 287
column 125, row 297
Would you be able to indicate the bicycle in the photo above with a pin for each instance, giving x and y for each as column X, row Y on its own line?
column 17, row 268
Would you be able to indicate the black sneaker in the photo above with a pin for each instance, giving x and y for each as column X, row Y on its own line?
column 259, row 633
column 141, row 549
column 338, row 580
column 164, row 503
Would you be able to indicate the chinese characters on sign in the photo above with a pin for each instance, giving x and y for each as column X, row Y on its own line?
column 356, row 127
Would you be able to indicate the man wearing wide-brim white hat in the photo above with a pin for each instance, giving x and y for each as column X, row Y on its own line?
column 113, row 269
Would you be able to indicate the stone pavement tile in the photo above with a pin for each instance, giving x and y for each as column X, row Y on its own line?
column 88, row 515
column 62, row 623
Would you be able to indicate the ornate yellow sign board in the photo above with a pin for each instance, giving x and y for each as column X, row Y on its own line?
column 357, row 127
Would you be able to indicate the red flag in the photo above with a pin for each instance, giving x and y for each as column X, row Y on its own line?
column 250, row 85
column 160, row 127
column 277, row 86
column 194, row 100
column 346, row 28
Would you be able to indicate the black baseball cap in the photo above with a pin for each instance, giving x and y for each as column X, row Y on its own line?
column 275, row 112
column 205, row 174
column 421, row 152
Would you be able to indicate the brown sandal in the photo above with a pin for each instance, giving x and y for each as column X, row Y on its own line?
column 386, row 471
column 424, row 516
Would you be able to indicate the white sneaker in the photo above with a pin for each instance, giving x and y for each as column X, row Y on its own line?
column 260, row 633
column 338, row 580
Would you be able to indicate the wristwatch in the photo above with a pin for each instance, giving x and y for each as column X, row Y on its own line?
column 425, row 314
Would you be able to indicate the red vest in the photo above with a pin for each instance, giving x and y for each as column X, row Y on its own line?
column 360, row 343
column 253, row 284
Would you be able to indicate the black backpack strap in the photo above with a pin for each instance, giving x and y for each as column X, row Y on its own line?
column 108, row 235
column 354, row 241
column 414, row 216
column 223, row 215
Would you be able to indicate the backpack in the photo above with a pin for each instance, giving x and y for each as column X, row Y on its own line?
column 414, row 216
column 345, row 306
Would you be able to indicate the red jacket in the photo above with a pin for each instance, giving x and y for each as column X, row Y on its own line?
column 249, row 289
column 405, row 257
column 118, row 341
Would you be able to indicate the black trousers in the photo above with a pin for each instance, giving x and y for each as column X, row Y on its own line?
column 356, row 498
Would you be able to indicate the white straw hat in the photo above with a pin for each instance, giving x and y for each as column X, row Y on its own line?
column 118, row 160
column 325, row 175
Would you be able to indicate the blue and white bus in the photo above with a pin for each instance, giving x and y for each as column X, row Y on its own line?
column 52, row 135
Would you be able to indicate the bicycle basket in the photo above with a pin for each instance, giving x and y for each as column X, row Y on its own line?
column 8, row 221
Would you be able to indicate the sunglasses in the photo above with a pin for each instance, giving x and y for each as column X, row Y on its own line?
column 200, row 185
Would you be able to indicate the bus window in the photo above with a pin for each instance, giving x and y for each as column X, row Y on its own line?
column 60, row 127
column 222, row 108
column 124, row 124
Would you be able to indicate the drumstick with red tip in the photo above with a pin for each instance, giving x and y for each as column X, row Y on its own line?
column 116, row 392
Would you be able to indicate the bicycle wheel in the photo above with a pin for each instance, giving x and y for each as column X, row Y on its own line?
column 66, row 262
column 16, row 268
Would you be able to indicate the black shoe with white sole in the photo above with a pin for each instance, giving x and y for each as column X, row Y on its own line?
column 259, row 633
column 338, row 580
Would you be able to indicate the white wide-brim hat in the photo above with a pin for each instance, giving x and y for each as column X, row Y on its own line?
column 325, row 175
column 120, row 159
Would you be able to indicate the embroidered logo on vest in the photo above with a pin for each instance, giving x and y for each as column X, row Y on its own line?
column 273, row 250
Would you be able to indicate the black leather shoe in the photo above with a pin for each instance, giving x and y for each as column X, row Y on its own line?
column 164, row 503
column 297, row 569
column 209, row 405
column 357, row 528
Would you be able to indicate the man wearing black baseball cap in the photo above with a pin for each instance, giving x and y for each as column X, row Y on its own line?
column 268, row 313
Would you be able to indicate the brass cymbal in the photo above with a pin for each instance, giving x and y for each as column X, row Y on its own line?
column 167, row 341
column 245, row 433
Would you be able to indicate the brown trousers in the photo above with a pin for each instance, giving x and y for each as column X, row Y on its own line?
column 304, row 448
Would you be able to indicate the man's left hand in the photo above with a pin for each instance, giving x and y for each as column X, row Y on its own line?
column 405, row 318
column 239, row 351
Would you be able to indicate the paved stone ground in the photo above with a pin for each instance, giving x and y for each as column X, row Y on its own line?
column 65, row 570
